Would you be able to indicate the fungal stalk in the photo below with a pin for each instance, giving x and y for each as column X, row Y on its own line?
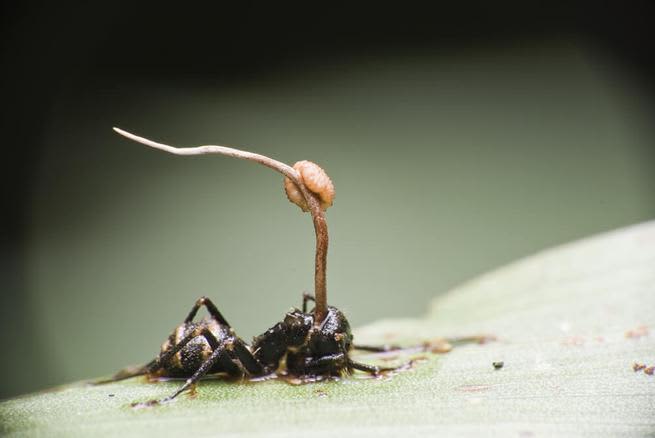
column 306, row 185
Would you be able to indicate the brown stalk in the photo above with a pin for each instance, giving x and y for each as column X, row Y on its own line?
column 318, row 215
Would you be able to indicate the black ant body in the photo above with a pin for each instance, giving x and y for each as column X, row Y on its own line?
column 210, row 345
column 311, row 344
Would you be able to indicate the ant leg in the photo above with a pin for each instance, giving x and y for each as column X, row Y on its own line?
column 425, row 346
column 249, row 363
column 377, row 348
column 235, row 351
column 204, row 369
column 371, row 369
column 321, row 365
column 127, row 373
column 306, row 297
column 211, row 308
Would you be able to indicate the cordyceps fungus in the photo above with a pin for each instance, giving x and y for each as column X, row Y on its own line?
column 305, row 345
column 306, row 185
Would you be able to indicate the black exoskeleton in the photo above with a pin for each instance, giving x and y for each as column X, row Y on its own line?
column 210, row 345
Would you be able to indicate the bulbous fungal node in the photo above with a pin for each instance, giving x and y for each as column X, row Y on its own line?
column 316, row 181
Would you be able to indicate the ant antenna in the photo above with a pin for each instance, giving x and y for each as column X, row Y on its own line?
column 313, row 202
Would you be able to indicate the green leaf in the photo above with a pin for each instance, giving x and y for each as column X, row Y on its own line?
column 570, row 323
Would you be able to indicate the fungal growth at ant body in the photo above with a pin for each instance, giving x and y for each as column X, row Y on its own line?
column 310, row 344
column 306, row 185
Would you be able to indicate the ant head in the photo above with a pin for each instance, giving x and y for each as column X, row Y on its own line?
column 332, row 336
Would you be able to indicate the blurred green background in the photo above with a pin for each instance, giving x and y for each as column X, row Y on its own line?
column 446, row 164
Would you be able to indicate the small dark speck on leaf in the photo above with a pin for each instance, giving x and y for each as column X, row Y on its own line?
column 498, row 365
column 111, row 395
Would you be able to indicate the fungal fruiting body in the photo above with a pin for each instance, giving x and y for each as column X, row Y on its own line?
column 316, row 181
column 306, row 185
column 310, row 344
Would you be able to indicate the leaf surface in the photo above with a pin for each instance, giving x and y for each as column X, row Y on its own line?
column 570, row 323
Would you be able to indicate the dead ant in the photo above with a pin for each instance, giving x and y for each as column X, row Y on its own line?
column 311, row 344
